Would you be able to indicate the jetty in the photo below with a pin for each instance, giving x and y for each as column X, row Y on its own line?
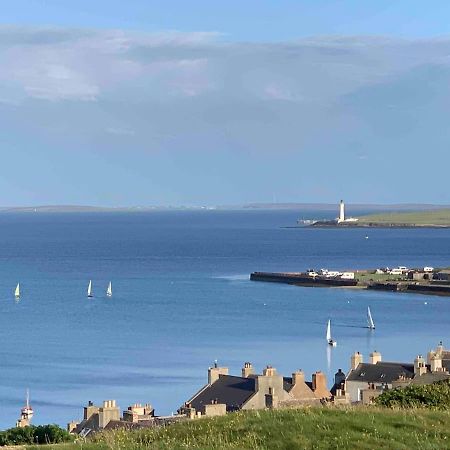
column 425, row 280
column 302, row 279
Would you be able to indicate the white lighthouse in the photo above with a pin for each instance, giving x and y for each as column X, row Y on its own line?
column 341, row 212
column 342, row 218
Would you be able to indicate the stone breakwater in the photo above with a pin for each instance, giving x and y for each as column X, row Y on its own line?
column 302, row 279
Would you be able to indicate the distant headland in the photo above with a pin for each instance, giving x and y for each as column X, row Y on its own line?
column 425, row 218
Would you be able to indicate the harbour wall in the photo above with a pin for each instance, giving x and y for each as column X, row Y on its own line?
column 300, row 279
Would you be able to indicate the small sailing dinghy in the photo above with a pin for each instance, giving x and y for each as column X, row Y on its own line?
column 89, row 289
column 109, row 290
column 330, row 341
column 370, row 322
column 17, row 291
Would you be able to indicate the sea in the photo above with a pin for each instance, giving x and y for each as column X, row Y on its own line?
column 182, row 299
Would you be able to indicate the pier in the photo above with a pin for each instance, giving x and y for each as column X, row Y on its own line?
column 301, row 279
column 409, row 282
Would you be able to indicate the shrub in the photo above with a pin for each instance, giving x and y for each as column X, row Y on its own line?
column 435, row 395
column 42, row 434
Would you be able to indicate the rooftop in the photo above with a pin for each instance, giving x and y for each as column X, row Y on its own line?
column 381, row 372
column 228, row 389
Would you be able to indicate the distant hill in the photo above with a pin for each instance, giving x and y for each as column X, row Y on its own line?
column 355, row 207
column 436, row 217
column 349, row 206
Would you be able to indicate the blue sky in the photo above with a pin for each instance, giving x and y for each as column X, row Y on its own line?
column 204, row 103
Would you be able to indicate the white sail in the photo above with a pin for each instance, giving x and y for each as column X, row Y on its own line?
column 89, row 290
column 329, row 331
column 109, row 290
column 370, row 323
column 17, row 291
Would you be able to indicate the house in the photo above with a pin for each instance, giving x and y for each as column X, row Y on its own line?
column 227, row 393
column 138, row 413
column 416, row 275
column 107, row 417
column 442, row 275
column 365, row 381
column 375, row 373
column 95, row 418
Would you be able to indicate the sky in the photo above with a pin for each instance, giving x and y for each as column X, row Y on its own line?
column 141, row 103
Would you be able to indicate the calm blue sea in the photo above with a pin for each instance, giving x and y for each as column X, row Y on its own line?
column 182, row 298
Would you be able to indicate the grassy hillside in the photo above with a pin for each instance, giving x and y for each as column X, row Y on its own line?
column 318, row 428
column 435, row 217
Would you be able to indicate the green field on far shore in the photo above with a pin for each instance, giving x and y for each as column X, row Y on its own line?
column 438, row 217
column 308, row 428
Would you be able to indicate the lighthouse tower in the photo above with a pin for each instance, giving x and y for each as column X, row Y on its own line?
column 341, row 212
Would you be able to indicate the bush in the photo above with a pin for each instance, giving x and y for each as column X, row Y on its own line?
column 435, row 396
column 42, row 434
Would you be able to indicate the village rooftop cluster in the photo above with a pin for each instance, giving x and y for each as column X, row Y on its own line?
column 224, row 393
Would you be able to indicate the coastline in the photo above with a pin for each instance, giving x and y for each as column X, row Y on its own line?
column 303, row 280
column 375, row 225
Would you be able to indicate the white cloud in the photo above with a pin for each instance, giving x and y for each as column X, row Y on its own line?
column 192, row 90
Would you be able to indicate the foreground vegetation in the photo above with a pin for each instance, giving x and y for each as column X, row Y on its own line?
column 439, row 217
column 316, row 428
column 42, row 434
column 436, row 396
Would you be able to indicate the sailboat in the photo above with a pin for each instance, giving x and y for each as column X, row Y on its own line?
column 330, row 341
column 370, row 322
column 89, row 289
column 109, row 290
column 17, row 291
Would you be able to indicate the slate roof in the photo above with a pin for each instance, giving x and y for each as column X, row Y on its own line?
column 287, row 383
column 430, row 378
column 122, row 424
column 381, row 372
column 233, row 391
column 89, row 425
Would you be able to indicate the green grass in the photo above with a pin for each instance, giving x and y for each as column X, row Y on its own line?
column 380, row 277
column 434, row 217
column 316, row 428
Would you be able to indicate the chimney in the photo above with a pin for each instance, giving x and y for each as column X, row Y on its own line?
column 298, row 377
column 419, row 366
column 89, row 410
column 271, row 399
column 319, row 382
column 214, row 372
column 375, row 357
column 339, row 377
column 436, row 363
column 269, row 371
column 355, row 360
column 247, row 370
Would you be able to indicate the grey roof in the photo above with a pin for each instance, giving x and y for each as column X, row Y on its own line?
column 381, row 372
column 91, row 424
column 122, row 424
column 287, row 383
column 430, row 378
column 233, row 391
